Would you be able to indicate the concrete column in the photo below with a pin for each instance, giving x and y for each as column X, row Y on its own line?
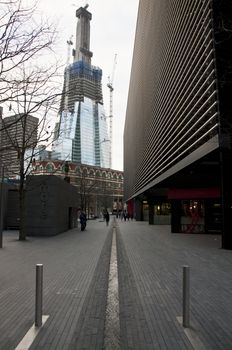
column 175, row 216
column 226, row 188
column 151, row 213
column 138, row 210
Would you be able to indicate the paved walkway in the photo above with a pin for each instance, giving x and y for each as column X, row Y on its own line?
column 150, row 272
column 150, row 260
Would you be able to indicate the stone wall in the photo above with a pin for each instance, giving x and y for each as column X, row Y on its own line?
column 51, row 206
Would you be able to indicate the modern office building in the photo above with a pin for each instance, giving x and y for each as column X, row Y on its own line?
column 18, row 135
column 81, row 135
column 177, row 136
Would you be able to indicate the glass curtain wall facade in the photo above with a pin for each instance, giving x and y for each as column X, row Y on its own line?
column 83, row 135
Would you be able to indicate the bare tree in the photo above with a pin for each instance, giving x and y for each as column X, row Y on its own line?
column 28, row 85
column 92, row 188
column 84, row 188
column 24, row 39
column 31, row 125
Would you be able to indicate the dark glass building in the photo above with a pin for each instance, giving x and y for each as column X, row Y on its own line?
column 177, row 136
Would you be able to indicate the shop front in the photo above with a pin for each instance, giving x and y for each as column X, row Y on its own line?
column 195, row 210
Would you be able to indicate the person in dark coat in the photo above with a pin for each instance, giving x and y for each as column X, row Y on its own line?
column 107, row 217
column 83, row 220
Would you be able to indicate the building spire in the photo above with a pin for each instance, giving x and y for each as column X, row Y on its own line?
column 82, row 52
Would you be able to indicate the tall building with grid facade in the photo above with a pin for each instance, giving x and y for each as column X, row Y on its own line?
column 81, row 135
column 177, row 136
column 18, row 133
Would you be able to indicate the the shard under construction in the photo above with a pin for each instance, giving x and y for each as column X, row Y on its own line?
column 81, row 135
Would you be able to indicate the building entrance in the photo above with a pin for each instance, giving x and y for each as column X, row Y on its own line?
column 192, row 216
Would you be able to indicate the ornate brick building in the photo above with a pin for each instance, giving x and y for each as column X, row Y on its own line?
column 97, row 188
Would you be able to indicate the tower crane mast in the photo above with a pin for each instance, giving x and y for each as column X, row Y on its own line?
column 69, row 44
column 111, row 89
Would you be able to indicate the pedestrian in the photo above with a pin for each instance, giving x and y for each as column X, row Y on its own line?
column 83, row 220
column 107, row 217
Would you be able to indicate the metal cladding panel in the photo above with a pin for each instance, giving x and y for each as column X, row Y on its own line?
column 196, row 193
column 172, row 105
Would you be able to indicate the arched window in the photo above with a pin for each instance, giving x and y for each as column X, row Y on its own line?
column 91, row 173
column 50, row 167
column 77, row 171
column 85, row 171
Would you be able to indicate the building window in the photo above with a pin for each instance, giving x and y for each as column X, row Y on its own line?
column 162, row 209
column 192, row 216
column 78, row 171
column 50, row 168
column 192, row 208
column 85, row 172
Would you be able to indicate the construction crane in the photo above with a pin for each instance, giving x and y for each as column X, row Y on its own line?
column 69, row 44
column 81, row 4
column 111, row 88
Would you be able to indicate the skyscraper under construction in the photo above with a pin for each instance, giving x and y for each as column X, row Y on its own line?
column 81, row 135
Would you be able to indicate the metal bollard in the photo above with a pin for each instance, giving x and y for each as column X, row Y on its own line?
column 39, row 295
column 186, row 296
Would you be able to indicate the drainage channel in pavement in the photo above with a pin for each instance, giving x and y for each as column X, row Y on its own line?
column 112, row 325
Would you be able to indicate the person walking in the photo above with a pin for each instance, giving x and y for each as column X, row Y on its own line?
column 107, row 217
column 83, row 220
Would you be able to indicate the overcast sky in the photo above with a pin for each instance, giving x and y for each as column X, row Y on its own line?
column 112, row 32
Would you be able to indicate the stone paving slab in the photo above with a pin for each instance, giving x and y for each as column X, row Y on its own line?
column 150, row 260
column 153, row 258
column 69, row 262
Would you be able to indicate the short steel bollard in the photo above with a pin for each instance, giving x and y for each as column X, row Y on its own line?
column 186, row 296
column 39, row 295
